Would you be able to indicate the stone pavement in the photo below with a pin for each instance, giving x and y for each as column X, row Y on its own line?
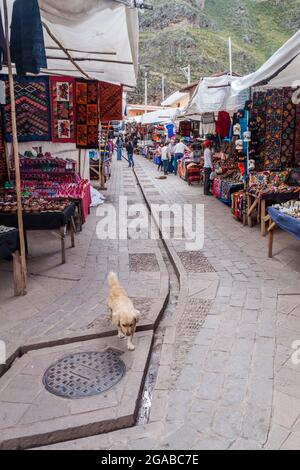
column 226, row 379
column 68, row 302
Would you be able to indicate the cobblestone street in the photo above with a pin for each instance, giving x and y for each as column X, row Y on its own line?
column 223, row 374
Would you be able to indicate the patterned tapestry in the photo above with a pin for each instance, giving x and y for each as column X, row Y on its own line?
column 63, row 110
column 274, row 114
column 288, row 129
column 3, row 164
column 111, row 102
column 87, row 114
column 297, row 136
column 32, row 109
column 258, row 124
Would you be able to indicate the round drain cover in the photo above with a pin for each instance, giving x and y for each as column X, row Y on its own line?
column 84, row 374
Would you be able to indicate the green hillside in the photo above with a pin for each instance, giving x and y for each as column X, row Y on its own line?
column 177, row 33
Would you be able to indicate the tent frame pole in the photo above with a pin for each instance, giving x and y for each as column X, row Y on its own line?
column 21, row 283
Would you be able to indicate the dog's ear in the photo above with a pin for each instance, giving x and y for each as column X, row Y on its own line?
column 137, row 315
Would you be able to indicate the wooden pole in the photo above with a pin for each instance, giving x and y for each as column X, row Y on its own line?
column 23, row 276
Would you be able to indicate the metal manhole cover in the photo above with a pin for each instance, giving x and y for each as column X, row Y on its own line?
column 84, row 374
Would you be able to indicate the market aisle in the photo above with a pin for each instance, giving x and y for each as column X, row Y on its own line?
column 69, row 301
column 225, row 379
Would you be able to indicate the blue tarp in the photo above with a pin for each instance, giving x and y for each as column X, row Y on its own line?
column 285, row 222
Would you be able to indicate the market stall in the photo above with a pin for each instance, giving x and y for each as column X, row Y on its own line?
column 285, row 216
column 67, row 49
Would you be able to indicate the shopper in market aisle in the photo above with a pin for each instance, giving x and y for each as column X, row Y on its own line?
column 208, row 166
column 130, row 150
column 172, row 155
column 165, row 157
column 180, row 148
column 119, row 145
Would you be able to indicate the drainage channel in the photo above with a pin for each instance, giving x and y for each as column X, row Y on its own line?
column 152, row 372
column 151, row 376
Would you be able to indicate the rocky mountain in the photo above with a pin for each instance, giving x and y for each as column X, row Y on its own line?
column 181, row 32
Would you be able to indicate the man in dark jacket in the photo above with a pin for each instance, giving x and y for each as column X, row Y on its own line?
column 130, row 150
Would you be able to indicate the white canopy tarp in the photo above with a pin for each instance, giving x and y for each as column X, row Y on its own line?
column 174, row 98
column 101, row 36
column 281, row 70
column 213, row 94
column 163, row 116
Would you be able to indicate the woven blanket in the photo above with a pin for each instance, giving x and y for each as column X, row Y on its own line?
column 258, row 114
column 63, row 109
column 87, row 114
column 32, row 109
column 3, row 165
column 288, row 128
column 297, row 136
column 274, row 113
column 111, row 102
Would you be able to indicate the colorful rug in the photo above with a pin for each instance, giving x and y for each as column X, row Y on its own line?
column 288, row 129
column 63, row 110
column 32, row 109
column 111, row 102
column 3, row 164
column 297, row 136
column 258, row 127
column 87, row 114
column 274, row 115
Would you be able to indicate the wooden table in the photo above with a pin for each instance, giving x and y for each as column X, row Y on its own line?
column 258, row 203
column 287, row 223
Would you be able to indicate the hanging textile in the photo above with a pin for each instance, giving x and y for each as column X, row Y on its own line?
column 3, row 51
column 185, row 128
column 27, row 38
column 297, row 136
column 288, row 128
column 111, row 102
column 63, row 109
column 32, row 109
column 223, row 124
column 87, row 115
column 274, row 112
column 208, row 124
column 3, row 164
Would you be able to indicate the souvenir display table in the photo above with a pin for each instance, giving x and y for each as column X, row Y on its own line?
column 286, row 217
column 54, row 178
column 224, row 187
column 9, row 247
column 259, row 201
column 42, row 215
column 9, row 241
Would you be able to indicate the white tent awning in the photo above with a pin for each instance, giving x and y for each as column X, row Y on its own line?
column 281, row 70
column 213, row 94
column 163, row 116
column 174, row 98
column 100, row 36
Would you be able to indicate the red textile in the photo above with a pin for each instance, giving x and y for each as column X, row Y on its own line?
column 86, row 202
column 111, row 102
column 87, row 117
column 223, row 124
column 63, row 109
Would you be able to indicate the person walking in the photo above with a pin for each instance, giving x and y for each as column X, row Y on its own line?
column 172, row 156
column 180, row 148
column 130, row 150
column 165, row 157
column 119, row 145
column 208, row 166
column 159, row 152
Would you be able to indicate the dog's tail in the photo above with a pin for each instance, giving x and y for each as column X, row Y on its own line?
column 113, row 280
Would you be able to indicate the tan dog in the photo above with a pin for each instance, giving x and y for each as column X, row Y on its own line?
column 124, row 316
